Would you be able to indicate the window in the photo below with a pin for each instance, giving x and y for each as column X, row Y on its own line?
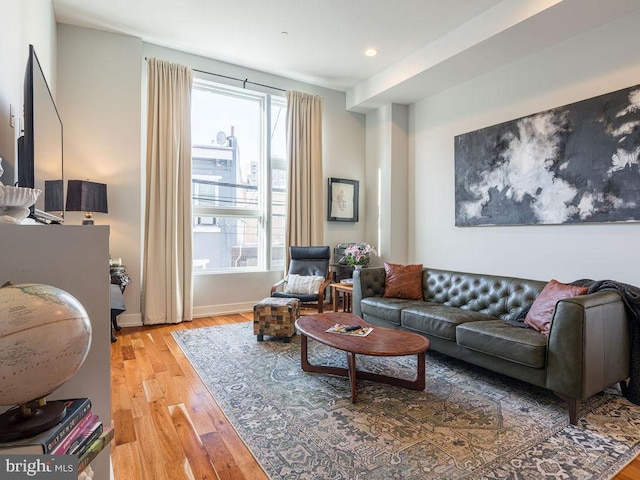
column 239, row 179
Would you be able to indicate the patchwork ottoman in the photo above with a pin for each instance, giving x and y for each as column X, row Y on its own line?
column 276, row 317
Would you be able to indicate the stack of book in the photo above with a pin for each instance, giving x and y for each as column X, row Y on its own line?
column 79, row 433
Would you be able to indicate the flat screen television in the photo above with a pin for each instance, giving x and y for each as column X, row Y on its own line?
column 40, row 158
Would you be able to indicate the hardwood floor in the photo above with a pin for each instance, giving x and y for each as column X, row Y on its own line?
column 167, row 425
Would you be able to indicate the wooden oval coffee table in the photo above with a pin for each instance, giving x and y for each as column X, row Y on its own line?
column 380, row 342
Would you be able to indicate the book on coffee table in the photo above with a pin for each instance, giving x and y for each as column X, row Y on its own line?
column 354, row 330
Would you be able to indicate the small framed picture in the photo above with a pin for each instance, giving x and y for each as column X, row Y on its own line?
column 343, row 200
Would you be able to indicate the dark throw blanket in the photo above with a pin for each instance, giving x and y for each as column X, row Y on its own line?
column 631, row 298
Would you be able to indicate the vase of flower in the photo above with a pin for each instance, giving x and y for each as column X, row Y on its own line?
column 358, row 254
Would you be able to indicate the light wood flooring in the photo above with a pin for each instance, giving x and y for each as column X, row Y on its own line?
column 167, row 425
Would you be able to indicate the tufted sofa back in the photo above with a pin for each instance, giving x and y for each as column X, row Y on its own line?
column 502, row 297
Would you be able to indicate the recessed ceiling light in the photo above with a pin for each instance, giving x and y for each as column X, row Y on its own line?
column 371, row 52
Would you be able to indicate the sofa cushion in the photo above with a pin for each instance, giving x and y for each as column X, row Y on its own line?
column 387, row 309
column 495, row 338
column 403, row 281
column 544, row 306
column 438, row 320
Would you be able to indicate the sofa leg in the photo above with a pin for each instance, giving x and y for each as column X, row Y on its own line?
column 574, row 405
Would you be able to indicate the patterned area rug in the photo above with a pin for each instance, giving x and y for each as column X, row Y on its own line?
column 468, row 423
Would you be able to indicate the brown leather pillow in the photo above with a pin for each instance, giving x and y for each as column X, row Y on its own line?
column 403, row 281
column 544, row 306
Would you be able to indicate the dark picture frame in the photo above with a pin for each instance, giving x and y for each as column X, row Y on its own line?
column 342, row 200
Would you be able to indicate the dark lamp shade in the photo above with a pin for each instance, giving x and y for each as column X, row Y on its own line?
column 85, row 196
column 53, row 196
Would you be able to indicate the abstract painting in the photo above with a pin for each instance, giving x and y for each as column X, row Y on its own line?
column 571, row 164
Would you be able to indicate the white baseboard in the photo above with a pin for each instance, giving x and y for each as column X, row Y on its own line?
column 135, row 319
column 129, row 320
column 227, row 309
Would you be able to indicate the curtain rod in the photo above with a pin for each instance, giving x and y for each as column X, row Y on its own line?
column 244, row 82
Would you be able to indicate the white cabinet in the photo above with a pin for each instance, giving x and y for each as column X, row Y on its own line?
column 75, row 259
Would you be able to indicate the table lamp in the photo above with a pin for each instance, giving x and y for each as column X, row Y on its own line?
column 88, row 197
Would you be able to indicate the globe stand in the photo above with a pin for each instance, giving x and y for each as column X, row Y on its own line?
column 30, row 418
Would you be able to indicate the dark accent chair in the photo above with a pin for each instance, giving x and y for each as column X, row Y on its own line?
column 307, row 261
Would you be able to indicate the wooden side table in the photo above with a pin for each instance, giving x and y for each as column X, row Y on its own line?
column 346, row 291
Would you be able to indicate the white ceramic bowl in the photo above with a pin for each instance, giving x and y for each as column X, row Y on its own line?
column 13, row 214
column 18, row 196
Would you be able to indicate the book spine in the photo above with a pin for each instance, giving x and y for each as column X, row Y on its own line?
column 79, row 411
column 89, row 420
column 83, row 442
column 95, row 448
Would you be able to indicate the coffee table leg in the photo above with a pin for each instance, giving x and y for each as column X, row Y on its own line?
column 351, row 367
column 420, row 378
column 310, row 367
column 304, row 360
column 352, row 374
column 416, row 384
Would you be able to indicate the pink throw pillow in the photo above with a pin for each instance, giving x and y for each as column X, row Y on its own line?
column 544, row 306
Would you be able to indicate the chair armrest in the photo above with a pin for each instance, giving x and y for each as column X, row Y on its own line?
column 321, row 292
column 323, row 287
column 276, row 285
column 589, row 346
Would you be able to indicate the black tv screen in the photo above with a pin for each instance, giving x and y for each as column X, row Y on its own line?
column 40, row 158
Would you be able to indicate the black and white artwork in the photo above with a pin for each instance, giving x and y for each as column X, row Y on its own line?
column 343, row 200
column 572, row 164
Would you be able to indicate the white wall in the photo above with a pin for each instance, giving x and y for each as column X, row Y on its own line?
column 11, row 60
column 39, row 30
column 387, row 185
column 22, row 23
column 99, row 100
column 591, row 64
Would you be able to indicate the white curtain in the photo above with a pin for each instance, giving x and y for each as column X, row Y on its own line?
column 167, row 295
column 305, row 213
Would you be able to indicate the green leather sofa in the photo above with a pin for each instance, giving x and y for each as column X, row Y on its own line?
column 463, row 315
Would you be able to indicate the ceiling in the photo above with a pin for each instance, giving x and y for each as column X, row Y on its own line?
column 424, row 46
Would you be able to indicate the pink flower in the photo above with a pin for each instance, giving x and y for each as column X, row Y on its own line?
column 359, row 254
